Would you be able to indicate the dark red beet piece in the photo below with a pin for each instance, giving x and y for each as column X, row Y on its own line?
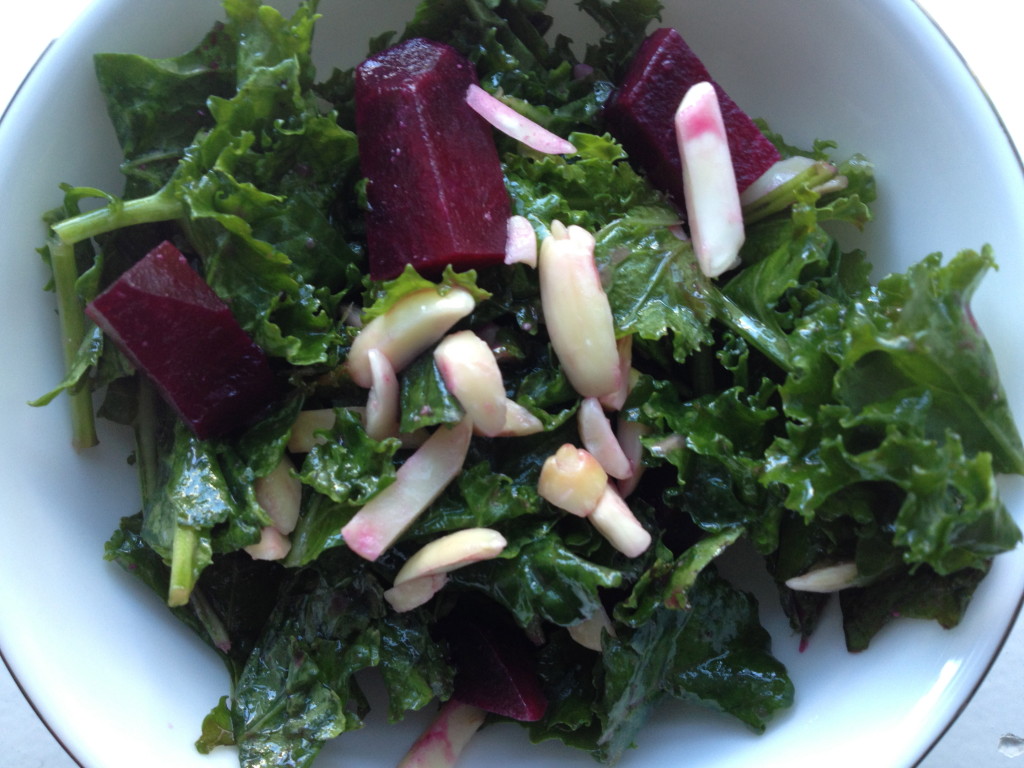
column 434, row 183
column 640, row 115
column 495, row 670
column 173, row 327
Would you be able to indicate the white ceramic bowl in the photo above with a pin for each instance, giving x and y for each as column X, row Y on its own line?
column 122, row 684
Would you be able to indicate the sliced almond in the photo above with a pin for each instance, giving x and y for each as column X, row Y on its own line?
column 279, row 494
column 454, row 550
column 709, row 181
column 470, row 370
column 629, row 434
column 829, row 578
column 414, row 324
column 576, row 311
column 519, row 422
column 614, row 520
column 303, row 435
column 514, row 124
column 590, row 632
column 616, row 399
column 521, row 242
column 273, row 545
column 420, row 480
column 599, row 439
column 414, row 592
column 442, row 743
column 382, row 401
column 573, row 480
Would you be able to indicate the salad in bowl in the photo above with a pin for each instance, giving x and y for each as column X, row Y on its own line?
column 497, row 379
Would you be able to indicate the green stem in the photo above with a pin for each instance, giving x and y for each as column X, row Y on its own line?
column 72, row 328
column 160, row 206
column 146, row 438
column 211, row 622
column 784, row 195
column 182, row 561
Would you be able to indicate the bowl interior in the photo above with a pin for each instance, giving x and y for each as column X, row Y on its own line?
column 121, row 682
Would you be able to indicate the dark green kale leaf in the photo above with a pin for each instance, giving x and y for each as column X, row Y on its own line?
column 508, row 44
column 883, row 397
column 723, row 658
column 299, row 689
column 425, row 400
column 921, row 333
column 625, row 24
column 202, row 504
column 343, row 472
column 919, row 594
column 255, row 190
column 157, row 106
column 349, row 467
column 228, row 607
column 480, row 497
column 708, row 648
column 539, row 577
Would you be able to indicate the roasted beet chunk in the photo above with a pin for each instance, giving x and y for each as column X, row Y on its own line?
column 434, row 183
column 173, row 327
column 495, row 669
column 640, row 115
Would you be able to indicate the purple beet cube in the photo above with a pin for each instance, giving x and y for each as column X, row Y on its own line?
column 640, row 115
column 495, row 670
column 435, row 187
column 165, row 318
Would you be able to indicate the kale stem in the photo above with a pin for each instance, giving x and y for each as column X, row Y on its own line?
column 211, row 622
column 784, row 195
column 146, row 450
column 160, row 206
column 182, row 561
column 72, row 326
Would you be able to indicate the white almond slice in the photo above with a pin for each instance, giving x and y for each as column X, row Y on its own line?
column 414, row 592
column 512, row 123
column 830, row 578
column 452, row 551
column 576, row 311
column 416, row 322
column 709, row 181
column 629, row 434
column 614, row 520
column 616, row 399
column 420, row 480
column 572, row 480
column 599, row 439
column 382, row 401
column 303, row 435
column 590, row 632
column 470, row 370
column 279, row 494
column 519, row 422
column 777, row 175
column 446, row 737
column 273, row 545
column 521, row 242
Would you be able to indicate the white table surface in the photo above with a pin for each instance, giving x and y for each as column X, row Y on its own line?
column 987, row 34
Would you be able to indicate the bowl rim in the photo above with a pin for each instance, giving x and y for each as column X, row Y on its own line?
column 1016, row 151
